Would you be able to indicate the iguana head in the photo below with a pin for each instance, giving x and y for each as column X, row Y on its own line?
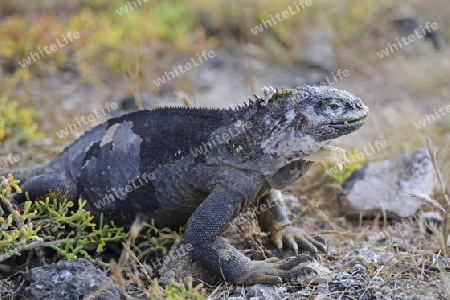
column 320, row 113
column 290, row 124
column 326, row 113
column 293, row 123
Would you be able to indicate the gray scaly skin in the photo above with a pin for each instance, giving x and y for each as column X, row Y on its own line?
column 253, row 152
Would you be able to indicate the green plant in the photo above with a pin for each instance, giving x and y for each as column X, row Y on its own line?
column 16, row 119
column 334, row 174
column 53, row 224
column 178, row 290
column 153, row 240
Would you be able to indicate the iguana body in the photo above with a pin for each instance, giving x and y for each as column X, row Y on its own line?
column 253, row 152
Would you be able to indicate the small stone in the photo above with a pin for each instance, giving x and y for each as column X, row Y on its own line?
column 319, row 51
column 431, row 218
column 67, row 279
column 204, row 80
column 384, row 185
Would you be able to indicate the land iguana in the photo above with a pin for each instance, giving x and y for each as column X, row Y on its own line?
column 204, row 167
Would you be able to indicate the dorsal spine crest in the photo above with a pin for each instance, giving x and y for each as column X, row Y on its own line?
column 271, row 94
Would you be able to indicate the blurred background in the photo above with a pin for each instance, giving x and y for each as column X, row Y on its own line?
column 124, row 49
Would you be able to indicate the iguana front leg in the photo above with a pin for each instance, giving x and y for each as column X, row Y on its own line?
column 276, row 221
column 219, row 256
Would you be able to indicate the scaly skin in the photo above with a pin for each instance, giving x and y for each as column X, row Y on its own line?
column 254, row 152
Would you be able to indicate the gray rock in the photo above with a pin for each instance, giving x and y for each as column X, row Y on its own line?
column 259, row 291
column 319, row 51
column 67, row 279
column 408, row 26
column 204, row 79
column 257, row 66
column 364, row 252
column 292, row 202
column 431, row 218
column 349, row 286
column 384, row 185
column 262, row 292
column 128, row 103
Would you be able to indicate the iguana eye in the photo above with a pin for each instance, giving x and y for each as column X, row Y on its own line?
column 333, row 106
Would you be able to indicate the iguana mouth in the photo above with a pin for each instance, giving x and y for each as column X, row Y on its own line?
column 352, row 122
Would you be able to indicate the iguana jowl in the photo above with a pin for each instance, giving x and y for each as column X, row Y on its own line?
column 208, row 190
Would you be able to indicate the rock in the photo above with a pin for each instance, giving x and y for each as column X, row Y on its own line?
column 292, row 203
column 401, row 28
column 431, row 218
column 409, row 26
column 67, row 279
column 257, row 292
column 204, row 79
column 384, row 186
column 322, row 276
column 364, row 252
column 257, row 67
column 349, row 286
column 128, row 103
column 319, row 51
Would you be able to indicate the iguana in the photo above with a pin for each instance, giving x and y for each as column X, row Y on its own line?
column 204, row 167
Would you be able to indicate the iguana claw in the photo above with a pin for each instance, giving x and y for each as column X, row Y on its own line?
column 294, row 237
column 273, row 273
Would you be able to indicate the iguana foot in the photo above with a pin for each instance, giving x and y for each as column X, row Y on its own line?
column 270, row 273
column 293, row 237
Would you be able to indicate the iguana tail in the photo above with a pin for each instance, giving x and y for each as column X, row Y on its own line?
column 42, row 182
column 23, row 174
